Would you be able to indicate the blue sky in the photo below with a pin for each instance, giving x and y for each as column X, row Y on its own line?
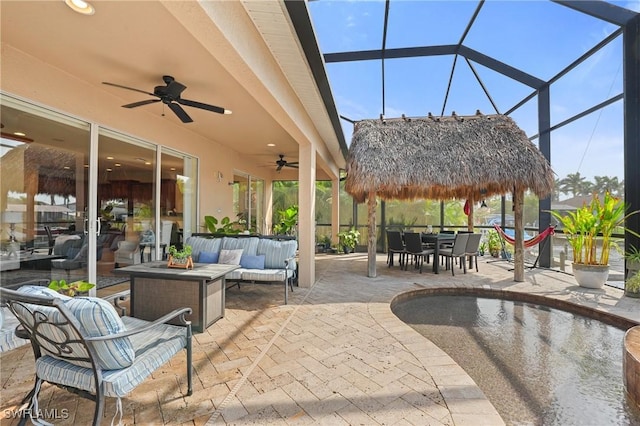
column 538, row 37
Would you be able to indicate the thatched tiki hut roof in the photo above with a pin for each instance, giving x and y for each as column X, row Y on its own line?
column 470, row 157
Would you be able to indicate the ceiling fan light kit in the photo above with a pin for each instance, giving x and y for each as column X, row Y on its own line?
column 170, row 95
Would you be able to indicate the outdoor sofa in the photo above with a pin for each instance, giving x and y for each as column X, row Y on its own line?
column 261, row 259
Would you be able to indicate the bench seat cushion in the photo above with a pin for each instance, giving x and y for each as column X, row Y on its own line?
column 153, row 348
column 266, row 274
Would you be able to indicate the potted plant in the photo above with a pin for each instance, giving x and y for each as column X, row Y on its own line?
column 288, row 221
column 482, row 248
column 226, row 225
column 70, row 289
column 348, row 240
column 180, row 258
column 632, row 258
column 493, row 242
column 632, row 285
column 589, row 230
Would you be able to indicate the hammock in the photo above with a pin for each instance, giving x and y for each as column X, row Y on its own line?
column 530, row 242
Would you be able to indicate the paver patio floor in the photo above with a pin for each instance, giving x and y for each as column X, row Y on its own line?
column 336, row 354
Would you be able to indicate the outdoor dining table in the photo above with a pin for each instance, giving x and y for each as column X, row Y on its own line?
column 436, row 240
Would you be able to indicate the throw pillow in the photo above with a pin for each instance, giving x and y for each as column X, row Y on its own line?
column 252, row 262
column 230, row 257
column 208, row 257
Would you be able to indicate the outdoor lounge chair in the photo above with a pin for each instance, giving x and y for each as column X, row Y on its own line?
column 81, row 344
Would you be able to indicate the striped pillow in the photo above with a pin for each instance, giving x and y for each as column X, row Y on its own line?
column 96, row 316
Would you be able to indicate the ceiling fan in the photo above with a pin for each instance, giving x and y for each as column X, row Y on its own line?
column 170, row 95
column 281, row 162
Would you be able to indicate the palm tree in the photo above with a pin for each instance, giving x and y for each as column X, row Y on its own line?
column 573, row 184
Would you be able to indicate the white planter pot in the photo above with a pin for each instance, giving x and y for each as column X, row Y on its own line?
column 590, row 276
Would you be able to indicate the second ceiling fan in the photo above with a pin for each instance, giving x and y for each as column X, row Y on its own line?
column 281, row 162
column 170, row 95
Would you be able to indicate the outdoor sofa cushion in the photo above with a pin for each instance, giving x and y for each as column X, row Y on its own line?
column 208, row 257
column 252, row 262
column 276, row 252
column 249, row 245
column 97, row 317
column 230, row 257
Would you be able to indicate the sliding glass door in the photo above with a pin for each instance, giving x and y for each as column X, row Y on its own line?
column 44, row 184
column 78, row 201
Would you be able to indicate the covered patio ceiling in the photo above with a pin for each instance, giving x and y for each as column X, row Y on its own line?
column 135, row 43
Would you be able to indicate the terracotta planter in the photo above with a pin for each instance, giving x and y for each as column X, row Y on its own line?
column 590, row 276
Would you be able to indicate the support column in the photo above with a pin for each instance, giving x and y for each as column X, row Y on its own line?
column 335, row 210
column 544, row 143
column 631, row 79
column 371, row 241
column 306, row 216
column 518, row 257
column 268, row 207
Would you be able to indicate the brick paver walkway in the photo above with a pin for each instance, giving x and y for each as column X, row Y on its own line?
column 335, row 355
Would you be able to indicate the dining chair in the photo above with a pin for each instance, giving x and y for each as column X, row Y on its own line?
column 50, row 240
column 471, row 251
column 395, row 245
column 413, row 243
column 457, row 251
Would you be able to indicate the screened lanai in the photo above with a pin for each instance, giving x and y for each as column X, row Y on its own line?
column 567, row 72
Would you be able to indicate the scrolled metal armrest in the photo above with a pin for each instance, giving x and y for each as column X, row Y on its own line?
column 178, row 313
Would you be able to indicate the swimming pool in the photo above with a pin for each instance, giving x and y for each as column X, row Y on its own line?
column 538, row 365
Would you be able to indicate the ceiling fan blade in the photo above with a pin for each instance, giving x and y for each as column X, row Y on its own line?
column 200, row 105
column 279, row 167
column 140, row 103
column 174, row 89
column 293, row 166
column 292, row 163
column 181, row 113
column 128, row 88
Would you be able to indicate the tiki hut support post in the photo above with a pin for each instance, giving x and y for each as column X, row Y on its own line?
column 518, row 261
column 470, row 215
column 371, row 244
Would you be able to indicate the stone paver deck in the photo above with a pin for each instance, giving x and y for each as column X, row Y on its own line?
column 335, row 355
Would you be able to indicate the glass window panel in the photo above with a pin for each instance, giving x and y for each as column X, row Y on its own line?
column 526, row 117
column 588, row 148
column 126, row 194
column 427, row 23
column 344, row 26
column 504, row 91
column 533, row 36
column 173, row 172
column 416, row 86
column 366, row 102
column 593, row 81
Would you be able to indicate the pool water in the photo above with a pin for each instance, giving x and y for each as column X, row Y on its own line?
column 537, row 365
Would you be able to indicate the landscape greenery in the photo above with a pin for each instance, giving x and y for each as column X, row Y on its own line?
column 421, row 213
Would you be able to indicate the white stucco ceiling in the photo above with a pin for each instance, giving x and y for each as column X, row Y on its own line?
column 135, row 43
